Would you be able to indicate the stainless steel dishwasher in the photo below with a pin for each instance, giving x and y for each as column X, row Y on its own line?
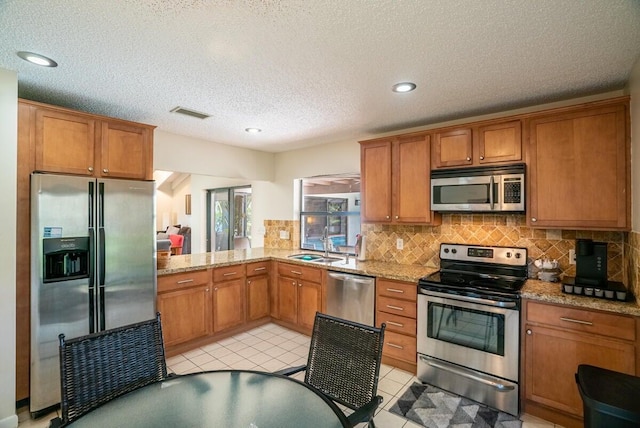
column 351, row 297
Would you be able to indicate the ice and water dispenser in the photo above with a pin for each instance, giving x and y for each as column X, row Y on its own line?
column 65, row 258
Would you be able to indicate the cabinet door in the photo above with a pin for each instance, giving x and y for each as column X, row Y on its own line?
column 228, row 304
column 258, row 297
column 127, row 151
column 309, row 302
column 64, row 142
column 287, row 299
column 376, row 181
column 186, row 314
column 579, row 169
column 552, row 358
column 500, row 142
column 411, row 180
column 453, row 148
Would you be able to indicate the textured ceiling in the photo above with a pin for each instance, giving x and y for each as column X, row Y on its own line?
column 315, row 71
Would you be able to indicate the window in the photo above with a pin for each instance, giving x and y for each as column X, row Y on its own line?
column 331, row 202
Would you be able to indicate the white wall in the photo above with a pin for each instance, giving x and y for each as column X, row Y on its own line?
column 633, row 88
column 178, row 153
column 8, row 172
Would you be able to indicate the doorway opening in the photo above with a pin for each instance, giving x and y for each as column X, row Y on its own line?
column 229, row 218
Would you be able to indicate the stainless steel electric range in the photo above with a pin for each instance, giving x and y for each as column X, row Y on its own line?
column 469, row 323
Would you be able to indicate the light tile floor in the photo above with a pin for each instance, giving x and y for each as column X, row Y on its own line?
column 270, row 348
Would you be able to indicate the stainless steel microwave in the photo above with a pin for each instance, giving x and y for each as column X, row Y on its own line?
column 479, row 189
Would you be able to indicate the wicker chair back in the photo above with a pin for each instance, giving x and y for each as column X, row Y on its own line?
column 344, row 360
column 102, row 366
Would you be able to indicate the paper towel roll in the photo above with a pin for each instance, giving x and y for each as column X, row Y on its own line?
column 363, row 248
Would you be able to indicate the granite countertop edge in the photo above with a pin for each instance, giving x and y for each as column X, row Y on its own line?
column 549, row 292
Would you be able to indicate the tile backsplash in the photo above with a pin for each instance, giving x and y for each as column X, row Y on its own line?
column 421, row 244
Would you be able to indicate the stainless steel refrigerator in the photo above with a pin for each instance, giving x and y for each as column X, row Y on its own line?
column 93, row 266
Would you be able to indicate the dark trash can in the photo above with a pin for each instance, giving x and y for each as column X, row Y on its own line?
column 610, row 399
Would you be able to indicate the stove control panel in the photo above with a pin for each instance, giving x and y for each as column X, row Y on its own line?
column 485, row 254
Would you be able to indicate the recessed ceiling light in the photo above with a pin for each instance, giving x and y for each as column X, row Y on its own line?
column 37, row 59
column 253, row 130
column 404, row 87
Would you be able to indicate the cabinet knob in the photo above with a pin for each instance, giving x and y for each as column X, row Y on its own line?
column 397, row 217
column 249, row 282
column 529, row 332
column 481, row 157
column 206, row 289
column 105, row 171
column 90, row 169
column 215, row 289
column 468, row 159
column 387, row 217
column 534, row 219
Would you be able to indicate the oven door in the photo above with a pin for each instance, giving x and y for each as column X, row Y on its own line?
column 479, row 193
column 470, row 334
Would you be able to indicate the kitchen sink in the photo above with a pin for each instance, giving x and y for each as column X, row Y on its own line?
column 305, row 257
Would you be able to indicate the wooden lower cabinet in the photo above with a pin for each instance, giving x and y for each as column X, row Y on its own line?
column 228, row 304
column 299, row 295
column 396, row 306
column 228, row 297
column 258, row 291
column 559, row 338
column 184, row 303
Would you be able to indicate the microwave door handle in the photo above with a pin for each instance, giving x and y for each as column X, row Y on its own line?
column 491, row 196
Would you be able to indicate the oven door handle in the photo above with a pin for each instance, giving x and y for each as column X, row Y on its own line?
column 496, row 303
column 469, row 375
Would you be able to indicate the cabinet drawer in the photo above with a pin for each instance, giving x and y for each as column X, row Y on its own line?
column 182, row 280
column 396, row 289
column 228, row 273
column 619, row 326
column 399, row 346
column 398, row 307
column 258, row 268
column 300, row 272
column 396, row 323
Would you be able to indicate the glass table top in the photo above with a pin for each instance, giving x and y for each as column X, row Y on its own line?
column 228, row 398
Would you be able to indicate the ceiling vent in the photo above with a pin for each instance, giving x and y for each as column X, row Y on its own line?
column 191, row 113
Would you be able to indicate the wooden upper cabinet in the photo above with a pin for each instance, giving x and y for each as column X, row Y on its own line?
column 70, row 142
column 453, row 148
column 490, row 143
column 396, row 180
column 579, row 169
column 500, row 142
column 64, row 142
column 126, row 151
column 375, row 188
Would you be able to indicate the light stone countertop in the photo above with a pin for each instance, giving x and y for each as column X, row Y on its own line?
column 190, row 262
column 550, row 292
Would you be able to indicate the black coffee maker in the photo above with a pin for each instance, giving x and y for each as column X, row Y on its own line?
column 591, row 263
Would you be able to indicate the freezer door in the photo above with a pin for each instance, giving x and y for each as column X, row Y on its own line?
column 60, row 207
column 126, row 247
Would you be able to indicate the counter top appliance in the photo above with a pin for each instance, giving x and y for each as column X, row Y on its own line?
column 92, row 266
column 469, row 323
column 479, row 189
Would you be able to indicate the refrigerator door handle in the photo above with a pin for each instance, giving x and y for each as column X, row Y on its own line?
column 91, row 204
column 102, row 261
column 92, row 281
column 101, row 300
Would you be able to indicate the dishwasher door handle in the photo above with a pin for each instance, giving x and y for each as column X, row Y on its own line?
column 353, row 278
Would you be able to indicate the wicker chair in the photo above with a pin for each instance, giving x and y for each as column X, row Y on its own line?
column 344, row 364
column 102, row 366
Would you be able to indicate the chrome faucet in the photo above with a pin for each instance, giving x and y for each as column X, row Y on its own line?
column 325, row 240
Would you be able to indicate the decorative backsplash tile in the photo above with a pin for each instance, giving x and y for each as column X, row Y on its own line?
column 422, row 243
column 272, row 237
column 632, row 263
